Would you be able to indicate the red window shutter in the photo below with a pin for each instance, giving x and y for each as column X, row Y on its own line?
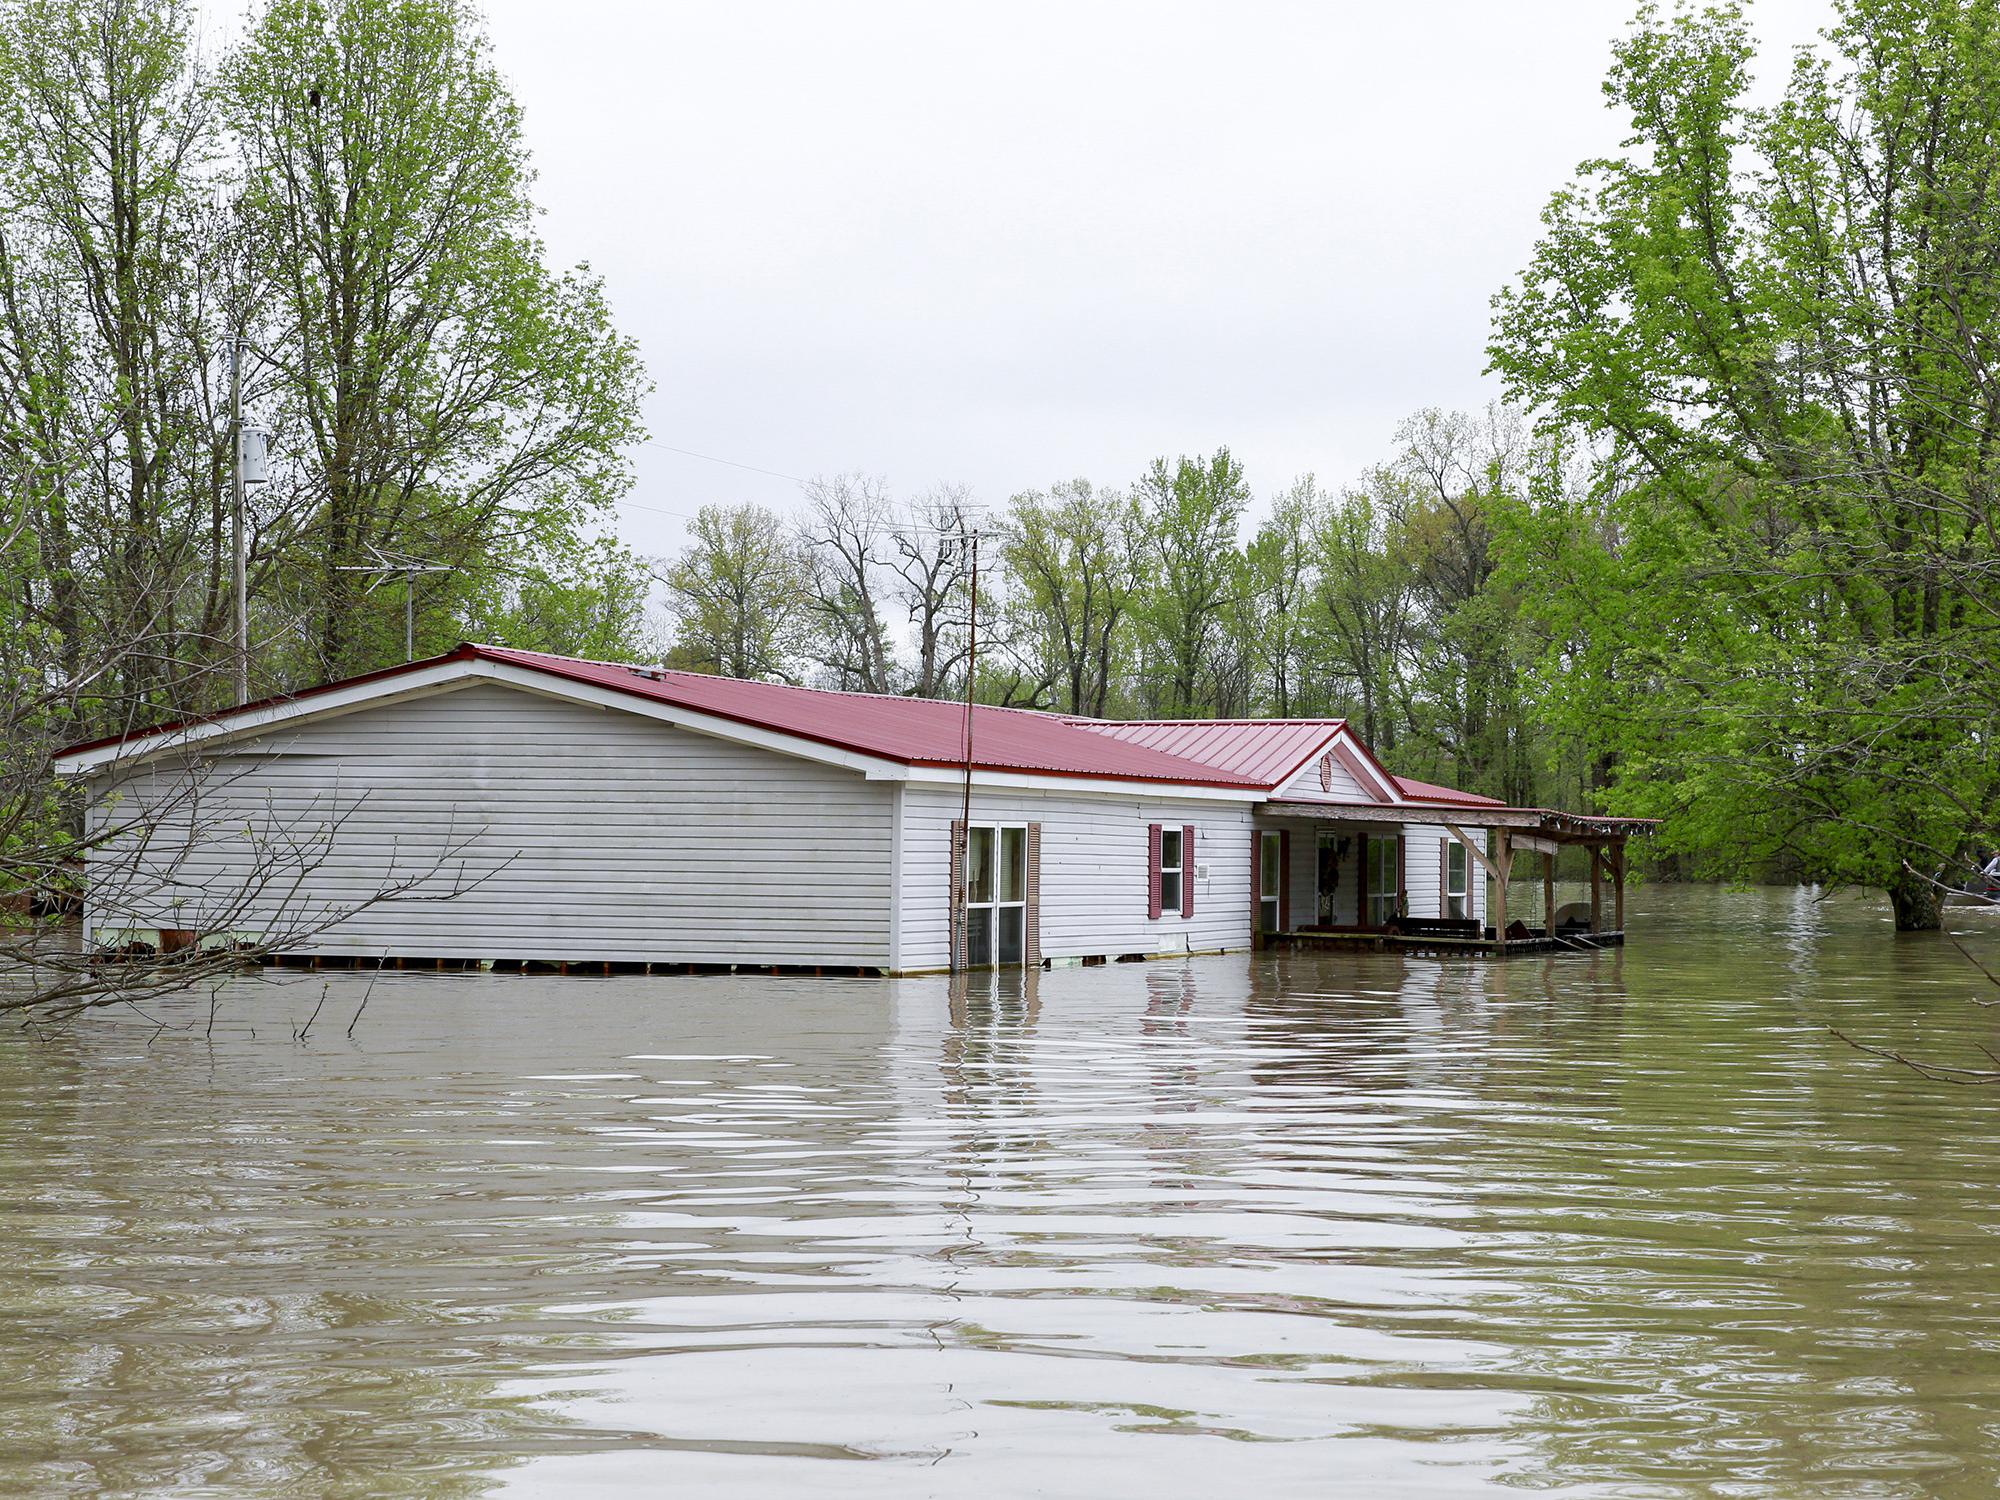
column 1032, row 941
column 1187, row 870
column 1153, row 872
column 1285, row 879
column 1444, row 877
column 956, row 910
column 1256, row 882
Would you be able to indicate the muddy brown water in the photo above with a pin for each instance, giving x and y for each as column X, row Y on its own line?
column 1633, row 1224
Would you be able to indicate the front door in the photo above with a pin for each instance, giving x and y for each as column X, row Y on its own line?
column 1328, row 882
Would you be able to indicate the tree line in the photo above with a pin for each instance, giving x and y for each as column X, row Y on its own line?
column 1382, row 602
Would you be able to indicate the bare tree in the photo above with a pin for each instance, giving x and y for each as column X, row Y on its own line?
column 844, row 537
column 932, row 563
column 187, row 877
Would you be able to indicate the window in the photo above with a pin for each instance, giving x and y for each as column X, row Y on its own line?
column 1171, row 874
column 996, row 894
column 1384, row 879
column 1270, row 879
column 1455, row 904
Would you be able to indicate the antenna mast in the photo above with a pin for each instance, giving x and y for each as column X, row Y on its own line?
column 389, row 565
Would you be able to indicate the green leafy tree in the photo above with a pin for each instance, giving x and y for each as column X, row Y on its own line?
column 736, row 595
column 1468, row 715
column 1189, row 578
column 1278, row 586
column 350, row 192
column 1069, row 555
column 111, row 268
column 1362, row 604
column 443, row 390
column 582, row 598
column 1781, row 327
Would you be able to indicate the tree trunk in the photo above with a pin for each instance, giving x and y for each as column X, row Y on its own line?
column 1918, row 903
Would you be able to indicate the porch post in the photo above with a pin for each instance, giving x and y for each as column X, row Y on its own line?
column 1596, row 889
column 1496, row 866
column 1548, row 893
column 1618, row 883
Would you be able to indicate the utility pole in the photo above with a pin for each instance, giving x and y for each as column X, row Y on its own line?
column 959, row 896
column 241, row 574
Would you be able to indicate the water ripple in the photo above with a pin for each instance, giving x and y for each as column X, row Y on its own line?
column 1629, row 1224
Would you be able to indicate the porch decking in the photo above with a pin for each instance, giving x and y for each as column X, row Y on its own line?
column 1441, row 945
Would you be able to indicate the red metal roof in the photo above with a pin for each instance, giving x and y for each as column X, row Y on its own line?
column 1267, row 751
column 1428, row 791
column 913, row 731
column 1250, row 754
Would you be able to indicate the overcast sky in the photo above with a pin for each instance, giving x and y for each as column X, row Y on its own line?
column 1009, row 244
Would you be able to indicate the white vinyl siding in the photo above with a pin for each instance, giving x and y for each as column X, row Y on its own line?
column 1304, row 785
column 1093, row 871
column 597, row 835
column 1423, row 852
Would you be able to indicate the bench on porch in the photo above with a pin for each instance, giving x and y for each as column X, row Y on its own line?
column 1441, row 927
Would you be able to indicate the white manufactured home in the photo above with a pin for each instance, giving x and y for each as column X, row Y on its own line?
column 510, row 807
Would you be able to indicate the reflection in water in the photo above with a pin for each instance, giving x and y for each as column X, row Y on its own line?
column 1622, row 1223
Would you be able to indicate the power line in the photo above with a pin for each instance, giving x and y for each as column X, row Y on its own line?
column 893, row 527
column 732, row 463
column 658, row 510
column 973, row 512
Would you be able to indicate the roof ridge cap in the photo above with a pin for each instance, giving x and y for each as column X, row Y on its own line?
column 657, row 672
column 1197, row 723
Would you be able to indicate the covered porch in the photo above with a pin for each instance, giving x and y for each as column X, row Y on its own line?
column 1435, row 880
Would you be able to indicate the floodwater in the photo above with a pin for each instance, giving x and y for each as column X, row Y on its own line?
column 1628, row 1224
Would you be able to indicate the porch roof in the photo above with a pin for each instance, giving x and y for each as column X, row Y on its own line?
column 1549, row 823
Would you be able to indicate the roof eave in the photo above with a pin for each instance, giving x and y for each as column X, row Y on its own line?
column 471, row 662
